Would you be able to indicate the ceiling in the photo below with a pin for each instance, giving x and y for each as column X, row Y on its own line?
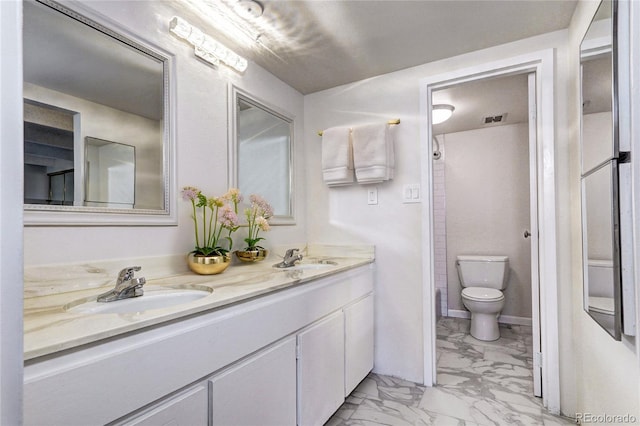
column 473, row 101
column 314, row 45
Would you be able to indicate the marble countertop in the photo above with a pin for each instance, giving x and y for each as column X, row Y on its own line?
column 50, row 327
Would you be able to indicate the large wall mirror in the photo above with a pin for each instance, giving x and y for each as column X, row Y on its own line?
column 261, row 153
column 605, row 189
column 97, row 122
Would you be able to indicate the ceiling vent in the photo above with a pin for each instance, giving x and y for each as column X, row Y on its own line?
column 495, row 119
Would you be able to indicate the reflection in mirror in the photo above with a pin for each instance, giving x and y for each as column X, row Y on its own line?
column 48, row 155
column 84, row 82
column 110, row 174
column 262, row 148
column 596, row 58
column 602, row 275
column 600, row 210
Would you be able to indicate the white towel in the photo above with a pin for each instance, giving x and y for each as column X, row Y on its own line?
column 337, row 156
column 373, row 155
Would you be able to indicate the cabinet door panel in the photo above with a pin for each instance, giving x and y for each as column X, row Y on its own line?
column 187, row 409
column 321, row 370
column 258, row 391
column 358, row 331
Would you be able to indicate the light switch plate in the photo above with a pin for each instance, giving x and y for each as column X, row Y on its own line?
column 372, row 196
column 411, row 193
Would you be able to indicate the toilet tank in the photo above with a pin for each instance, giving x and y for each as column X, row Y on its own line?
column 483, row 271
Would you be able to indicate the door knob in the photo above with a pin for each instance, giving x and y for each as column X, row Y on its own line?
column 527, row 234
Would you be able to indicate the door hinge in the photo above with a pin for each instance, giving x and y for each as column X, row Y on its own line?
column 537, row 360
column 298, row 354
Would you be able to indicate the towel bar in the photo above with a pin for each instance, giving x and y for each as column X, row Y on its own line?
column 390, row 122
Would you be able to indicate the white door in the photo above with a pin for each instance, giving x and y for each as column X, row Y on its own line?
column 321, row 370
column 358, row 342
column 533, row 237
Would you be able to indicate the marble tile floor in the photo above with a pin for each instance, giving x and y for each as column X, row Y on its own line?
column 479, row 383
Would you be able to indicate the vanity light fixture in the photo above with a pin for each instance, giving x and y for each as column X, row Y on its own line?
column 441, row 113
column 207, row 48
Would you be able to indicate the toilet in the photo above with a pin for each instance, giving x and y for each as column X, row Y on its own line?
column 483, row 279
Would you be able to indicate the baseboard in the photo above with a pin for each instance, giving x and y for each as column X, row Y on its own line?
column 505, row 319
column 509, row 319
column 455, row 313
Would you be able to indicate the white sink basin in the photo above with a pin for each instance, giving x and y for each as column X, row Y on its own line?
column 152, row 299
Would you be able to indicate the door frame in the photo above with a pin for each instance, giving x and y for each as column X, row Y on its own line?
column 541, row 63
column 532, row 106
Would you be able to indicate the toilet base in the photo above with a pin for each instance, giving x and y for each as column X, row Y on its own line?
column 485, row 326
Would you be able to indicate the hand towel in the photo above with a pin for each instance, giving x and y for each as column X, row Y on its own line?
column 373, row 155
column 337, row 156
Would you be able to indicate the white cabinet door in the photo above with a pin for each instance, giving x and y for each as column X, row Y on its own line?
column 321, row 370
column 358, row 351
column 186, row 409
column 260, row 390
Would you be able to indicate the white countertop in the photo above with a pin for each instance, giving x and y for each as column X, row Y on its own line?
column 49, row 327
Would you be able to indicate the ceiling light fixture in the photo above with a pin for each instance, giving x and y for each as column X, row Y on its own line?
column 225, row 17
column 207, row 48
column 441, row 113
column 248, row 9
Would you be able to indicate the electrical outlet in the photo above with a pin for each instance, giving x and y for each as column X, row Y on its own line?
column 411, row 193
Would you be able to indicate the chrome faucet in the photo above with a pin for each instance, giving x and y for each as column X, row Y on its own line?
column 126, row 287
column 290, row 258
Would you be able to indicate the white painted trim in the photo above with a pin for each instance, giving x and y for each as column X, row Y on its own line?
column 532, row 98
column 503, row 319
column 428, row 253
column 543, row 64
column 634, row 36
column 11, row 198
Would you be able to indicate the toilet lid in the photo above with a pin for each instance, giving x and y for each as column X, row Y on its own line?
column 482, row 293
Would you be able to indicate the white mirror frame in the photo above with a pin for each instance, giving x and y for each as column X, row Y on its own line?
column 43, row 215
column 235, row 93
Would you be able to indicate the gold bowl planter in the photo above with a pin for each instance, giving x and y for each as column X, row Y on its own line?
column 252, row 255
column 208, row 265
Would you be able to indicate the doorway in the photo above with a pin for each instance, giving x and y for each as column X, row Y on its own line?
column 541, row 66
column 484, row 203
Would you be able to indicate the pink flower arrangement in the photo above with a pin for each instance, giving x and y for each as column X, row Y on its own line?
column 257, row 215
column 217, row 216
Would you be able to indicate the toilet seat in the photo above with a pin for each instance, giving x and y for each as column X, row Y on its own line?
column 482, row 294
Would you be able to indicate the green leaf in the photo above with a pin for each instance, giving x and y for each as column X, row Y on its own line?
column 202, row 200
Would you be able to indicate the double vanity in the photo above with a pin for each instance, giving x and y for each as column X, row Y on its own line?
column 254, row 345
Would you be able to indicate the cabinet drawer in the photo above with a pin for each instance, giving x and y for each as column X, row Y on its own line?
column 260, row 390
column 187, row 409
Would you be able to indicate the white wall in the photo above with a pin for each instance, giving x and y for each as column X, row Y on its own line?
column 440, row 227
column 10, row 213
column 487, row 190
column 201, row 145
column 607, row 372
column 394, row 227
